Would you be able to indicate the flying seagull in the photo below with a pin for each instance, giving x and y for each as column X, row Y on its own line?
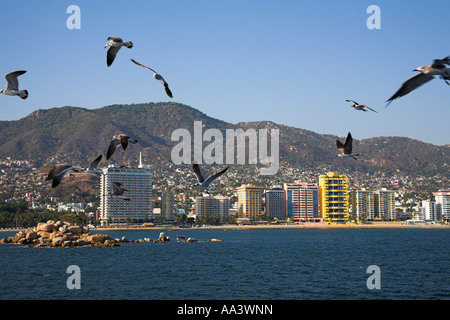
column 202, row 183
column 118, row 191
column 12, row 86
column 358, row 106
column 346, row 148
column 116, row 141
column 115, row 43
column 427, row 73
column 59, row 171
column 157, row 77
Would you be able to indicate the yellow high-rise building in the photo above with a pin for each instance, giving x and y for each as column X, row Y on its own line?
column 333, row 198
column 249, row 201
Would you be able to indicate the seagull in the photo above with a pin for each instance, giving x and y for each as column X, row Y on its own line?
column 12, row 86
column 116, row 141
column 118, row 191
column 427, row 73
column 346, row 148
column 202, row 183
column 59, row 171
column 358, row 106
column 115, row 43
column 157, row 77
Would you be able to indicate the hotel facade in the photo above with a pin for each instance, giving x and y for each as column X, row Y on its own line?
column 249, row 201
column 302, row 201
column 370, row 205
column 138, row 182
column 334, row 198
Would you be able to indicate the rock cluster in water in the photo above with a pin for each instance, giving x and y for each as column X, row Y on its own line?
column 60, row 234
column 64, row 234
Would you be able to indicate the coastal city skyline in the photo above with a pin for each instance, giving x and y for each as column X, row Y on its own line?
column 246, row 151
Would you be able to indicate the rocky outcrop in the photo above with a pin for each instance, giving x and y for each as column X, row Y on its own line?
column 60, row 234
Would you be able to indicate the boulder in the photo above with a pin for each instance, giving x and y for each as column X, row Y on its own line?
column 75, row 229
column 45, row 227
column 31, row 236
column 58, row 241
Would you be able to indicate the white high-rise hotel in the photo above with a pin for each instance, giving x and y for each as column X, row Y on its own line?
column 138, row 182
column 442, row 198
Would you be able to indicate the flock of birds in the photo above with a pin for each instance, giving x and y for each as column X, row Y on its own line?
column 425, row 74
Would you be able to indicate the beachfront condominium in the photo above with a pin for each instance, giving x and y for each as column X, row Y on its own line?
column 385, row 204
column 249, row 201
column 334, row 198
column 442, row 198
column 302, row 201
column 206, row 205
column 370, row 205
column 430, row 210
column 274, row 203
column 167, row 207
column 363, row 205
column 138, row 182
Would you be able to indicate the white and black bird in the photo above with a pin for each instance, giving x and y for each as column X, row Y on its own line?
column 202, row 183
column 118, row 191
column 114, row 44
column 358, row 106
column 59, row 171
column 346, row 147
column 157, row 77
column 12, row 85
column 119, row 140
column 426, row 74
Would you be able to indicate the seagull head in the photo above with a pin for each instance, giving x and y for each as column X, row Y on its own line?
column 419, row 69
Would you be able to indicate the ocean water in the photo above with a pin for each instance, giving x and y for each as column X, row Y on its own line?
column 263, row 264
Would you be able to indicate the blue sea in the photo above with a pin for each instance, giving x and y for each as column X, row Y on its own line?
column 262, row 264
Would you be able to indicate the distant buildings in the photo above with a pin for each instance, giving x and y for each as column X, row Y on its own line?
column 334, row 198
column 167, row 207
column 302, row 201
column 442, row 198
column 275, row 203
column 138, row 182
column 430, row 211
column 370, row 205
column 249, row 201
column 214, row 206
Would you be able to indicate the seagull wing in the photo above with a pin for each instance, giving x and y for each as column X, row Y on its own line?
column 440, row 63
column 112, row 148
column 348, row 144
column 57, row 169
column 411, row 84
column 94, row 164
column 111, row 55
column 143, row 66
column 352, row 101
column 370, row 108
column 115, row 39
column 11, row 78
column 124, row 141
column 198, row 173
column 340, row 146
column 166, row 87
column 215, row 176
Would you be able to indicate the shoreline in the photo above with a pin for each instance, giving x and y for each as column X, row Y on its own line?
column 377, row 225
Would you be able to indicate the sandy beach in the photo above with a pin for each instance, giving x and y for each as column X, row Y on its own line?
column 289, row 226
column 275, row 226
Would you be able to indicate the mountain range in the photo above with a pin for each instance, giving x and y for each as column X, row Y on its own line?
column 45, row 134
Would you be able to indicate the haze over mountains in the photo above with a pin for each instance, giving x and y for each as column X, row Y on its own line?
column 85, row 133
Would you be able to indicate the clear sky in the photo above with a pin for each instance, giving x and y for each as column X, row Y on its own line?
column 291, row 62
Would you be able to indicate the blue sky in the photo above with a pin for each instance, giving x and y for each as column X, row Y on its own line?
column 290, row 62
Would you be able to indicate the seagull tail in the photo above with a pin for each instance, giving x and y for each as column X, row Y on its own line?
column 24, row 94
